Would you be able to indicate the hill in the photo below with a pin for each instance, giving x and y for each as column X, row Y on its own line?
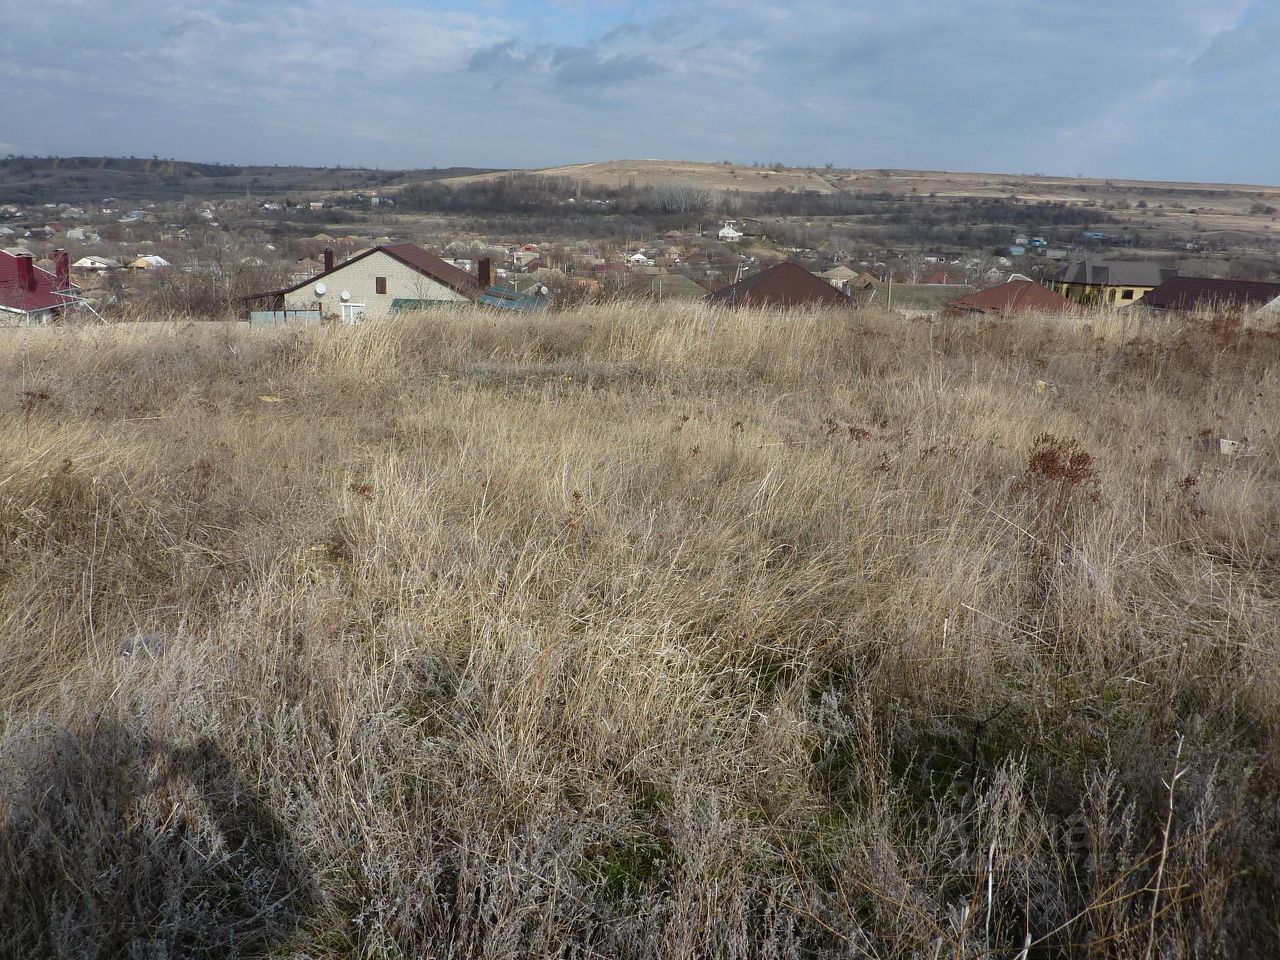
column 1204, row 212
column 711, row 176
column 1249, row 212
column 31, row 180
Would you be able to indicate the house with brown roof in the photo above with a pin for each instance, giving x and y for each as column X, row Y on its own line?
column 1190, row 294
column 377, row 283
column 1015, row 297
column 785, row 285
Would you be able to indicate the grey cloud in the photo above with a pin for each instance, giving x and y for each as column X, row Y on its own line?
column 180, row 28
column 499, row 56
column 1253, row 43
column 585, row 67
column 582, row 69
column 622, row 31
column 992, row 84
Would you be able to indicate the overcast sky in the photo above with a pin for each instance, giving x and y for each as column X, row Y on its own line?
column 1160, row 89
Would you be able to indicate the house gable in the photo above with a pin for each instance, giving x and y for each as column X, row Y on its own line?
column 375, row 280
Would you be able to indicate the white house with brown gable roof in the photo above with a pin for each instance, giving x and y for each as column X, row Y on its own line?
column 377, row 283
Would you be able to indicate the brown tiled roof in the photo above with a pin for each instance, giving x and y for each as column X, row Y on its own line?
column 452, row 277
column 1016, row 296
column 786, row 285
column 1195, row 293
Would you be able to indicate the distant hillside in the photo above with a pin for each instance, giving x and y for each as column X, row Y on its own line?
column 765, row 177
column 85, row 179
column 711, row 176
column 1242, row 216
column 1238, row 213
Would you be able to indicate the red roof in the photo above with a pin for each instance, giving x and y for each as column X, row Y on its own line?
column 1194, row 293
column 786, row 285
column 14, row 297
column 939, row 278
column 1016, row 296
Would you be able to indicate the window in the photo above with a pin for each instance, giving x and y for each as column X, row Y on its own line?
column 1126, row 295
column 380, row 284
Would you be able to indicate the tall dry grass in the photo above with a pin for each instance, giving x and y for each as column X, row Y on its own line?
column 640, row 632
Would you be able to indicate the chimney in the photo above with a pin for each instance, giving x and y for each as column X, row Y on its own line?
column 328, row 259
column 486, row 273
column 26, row 272
column 62, row 270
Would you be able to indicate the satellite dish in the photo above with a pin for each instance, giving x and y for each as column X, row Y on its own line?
column 346, row 295
column 321, row 289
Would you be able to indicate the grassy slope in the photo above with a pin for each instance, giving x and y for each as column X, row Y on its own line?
column 643, row 630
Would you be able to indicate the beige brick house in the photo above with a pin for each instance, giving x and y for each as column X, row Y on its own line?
column 377, row 283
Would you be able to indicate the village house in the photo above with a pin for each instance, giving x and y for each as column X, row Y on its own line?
column 30, row 295
column 93, row 265
column 1021, row 296
column 729, row 234
column 785, row 285
column 1118, row 282
column 848, row 280
column 525, row 255
column 378, row 283
column 840, row 277
column 148, row 261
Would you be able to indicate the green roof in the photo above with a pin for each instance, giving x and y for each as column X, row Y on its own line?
column 404, row 304
column 665, row 286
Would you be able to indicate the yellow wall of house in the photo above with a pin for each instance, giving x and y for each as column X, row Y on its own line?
column 1107, row 293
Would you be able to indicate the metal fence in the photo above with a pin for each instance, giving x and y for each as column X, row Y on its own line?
column 275, row 318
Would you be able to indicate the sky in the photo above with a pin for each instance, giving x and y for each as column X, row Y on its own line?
column 1151, row 89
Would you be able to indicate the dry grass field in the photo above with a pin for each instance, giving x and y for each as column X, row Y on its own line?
column 641, row 632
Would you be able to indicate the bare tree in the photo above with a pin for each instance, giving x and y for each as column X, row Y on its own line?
column 676, row 197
